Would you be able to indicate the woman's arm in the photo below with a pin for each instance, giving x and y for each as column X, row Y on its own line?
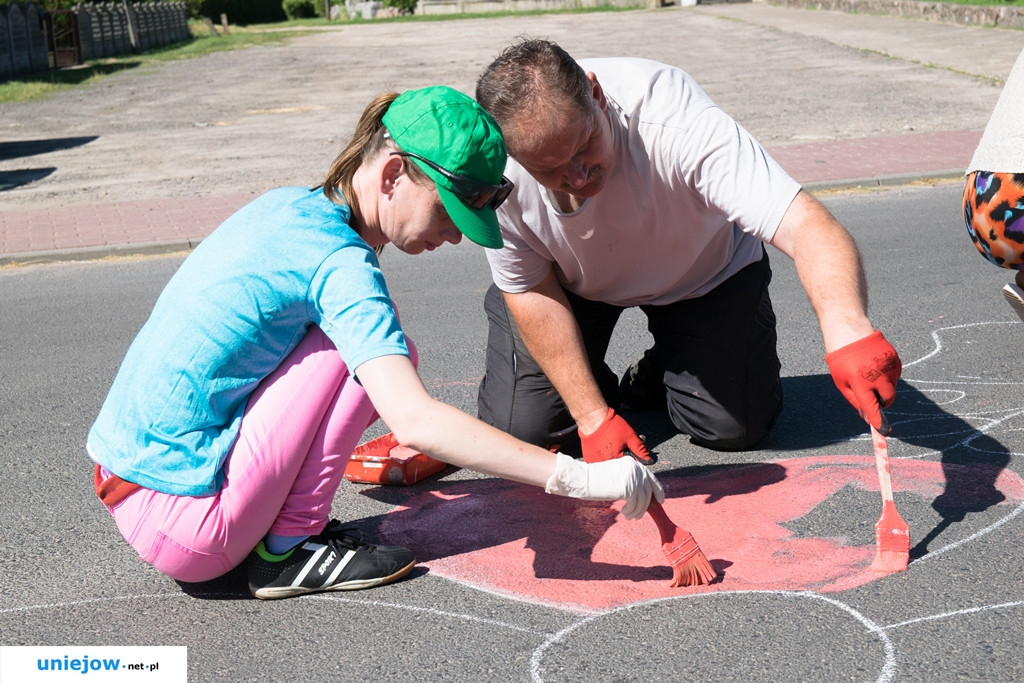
column 425, row 424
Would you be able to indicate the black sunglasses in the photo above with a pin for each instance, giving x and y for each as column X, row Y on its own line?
column 473, row 193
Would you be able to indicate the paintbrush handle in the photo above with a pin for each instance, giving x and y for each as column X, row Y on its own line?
column 666, row 527
column 882, row 464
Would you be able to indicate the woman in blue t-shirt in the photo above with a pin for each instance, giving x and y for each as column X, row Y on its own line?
column 227, row 429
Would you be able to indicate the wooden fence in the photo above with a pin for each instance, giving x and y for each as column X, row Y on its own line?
column 29, row 43
column 22, row 43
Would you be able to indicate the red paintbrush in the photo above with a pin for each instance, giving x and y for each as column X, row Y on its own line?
column 689, row 566
column 892, row 535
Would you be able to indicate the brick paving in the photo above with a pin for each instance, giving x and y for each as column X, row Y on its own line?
column 878, row 160
column 175, row 223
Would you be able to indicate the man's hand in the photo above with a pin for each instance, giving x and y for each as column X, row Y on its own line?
column 613, row 438
column 866, row 373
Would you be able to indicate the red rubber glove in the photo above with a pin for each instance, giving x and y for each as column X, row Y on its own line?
column 866, row 373
column 612, row 439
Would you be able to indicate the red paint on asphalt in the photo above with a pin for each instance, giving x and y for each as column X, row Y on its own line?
column 518, row 541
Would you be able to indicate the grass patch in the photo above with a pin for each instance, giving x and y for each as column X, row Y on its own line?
column 43, row 84
column 202, row 43
column 454, row 17
column 999, row 3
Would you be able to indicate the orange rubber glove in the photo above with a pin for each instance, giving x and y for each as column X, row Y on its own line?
column 866, row 373
column 613, row 438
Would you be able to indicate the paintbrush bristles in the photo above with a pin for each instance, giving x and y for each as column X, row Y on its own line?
column 890, row 561
column 689, row 565
column 892, row 541
column 697, row 571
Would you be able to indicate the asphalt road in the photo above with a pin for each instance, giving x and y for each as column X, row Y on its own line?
column 517, row 585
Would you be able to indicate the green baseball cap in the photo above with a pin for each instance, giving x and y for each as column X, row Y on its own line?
column 460, row 147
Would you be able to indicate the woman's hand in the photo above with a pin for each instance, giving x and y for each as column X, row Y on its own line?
column 618, row 479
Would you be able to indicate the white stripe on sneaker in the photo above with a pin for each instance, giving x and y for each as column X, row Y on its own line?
column 311, row 563
column 341, row 565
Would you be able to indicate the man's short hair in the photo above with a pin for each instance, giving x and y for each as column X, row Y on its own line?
column 528, row 72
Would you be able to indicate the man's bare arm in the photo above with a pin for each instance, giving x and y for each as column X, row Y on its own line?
column 830, row 270
column 550, row 332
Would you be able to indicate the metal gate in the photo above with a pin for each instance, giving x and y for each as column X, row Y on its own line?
column 61, row 28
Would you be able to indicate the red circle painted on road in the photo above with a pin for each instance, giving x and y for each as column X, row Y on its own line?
column 520, row 542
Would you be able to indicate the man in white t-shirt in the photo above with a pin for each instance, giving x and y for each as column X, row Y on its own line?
column 634, row 189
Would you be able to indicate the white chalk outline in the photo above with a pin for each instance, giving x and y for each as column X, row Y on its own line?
column 886, row 674
column 938, row 342
column 430, row 610
column 234, row 594
column 956, row 613
column 978, row 534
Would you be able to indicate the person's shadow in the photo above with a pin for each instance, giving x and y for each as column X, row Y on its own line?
column 10, row 180
column 815, row 416
column 972, row 460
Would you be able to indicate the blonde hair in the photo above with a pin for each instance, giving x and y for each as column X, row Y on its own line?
column 369, row 139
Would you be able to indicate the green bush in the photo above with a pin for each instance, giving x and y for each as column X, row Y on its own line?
column 244, row 12
column 194, row 8
column 299, row 9
column 403, row 6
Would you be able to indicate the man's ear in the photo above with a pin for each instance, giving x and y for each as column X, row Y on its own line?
column 390, row 172
column 596, row 91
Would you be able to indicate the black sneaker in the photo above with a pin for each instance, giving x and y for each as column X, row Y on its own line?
column 336, row 559
column 642, row 386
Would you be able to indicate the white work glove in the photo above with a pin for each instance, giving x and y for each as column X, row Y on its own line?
column 618, row 479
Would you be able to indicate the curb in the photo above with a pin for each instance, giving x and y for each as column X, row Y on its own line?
column 82, row 254
column 892, row 180
column 70, row 255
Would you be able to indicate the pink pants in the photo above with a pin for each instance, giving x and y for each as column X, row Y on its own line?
column 297, row 433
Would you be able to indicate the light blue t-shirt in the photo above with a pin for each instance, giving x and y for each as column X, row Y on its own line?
column 239, row 304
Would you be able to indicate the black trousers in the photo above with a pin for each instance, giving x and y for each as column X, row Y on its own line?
column 718, row 357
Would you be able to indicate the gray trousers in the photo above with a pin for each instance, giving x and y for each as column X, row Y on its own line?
column 718, row 356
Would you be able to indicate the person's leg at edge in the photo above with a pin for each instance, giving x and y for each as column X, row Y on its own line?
column 720, row 361
column 516, row 396
column 993, row 209
column 281, row 475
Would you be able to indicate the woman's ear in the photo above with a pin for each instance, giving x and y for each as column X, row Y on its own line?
column 391, row 171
